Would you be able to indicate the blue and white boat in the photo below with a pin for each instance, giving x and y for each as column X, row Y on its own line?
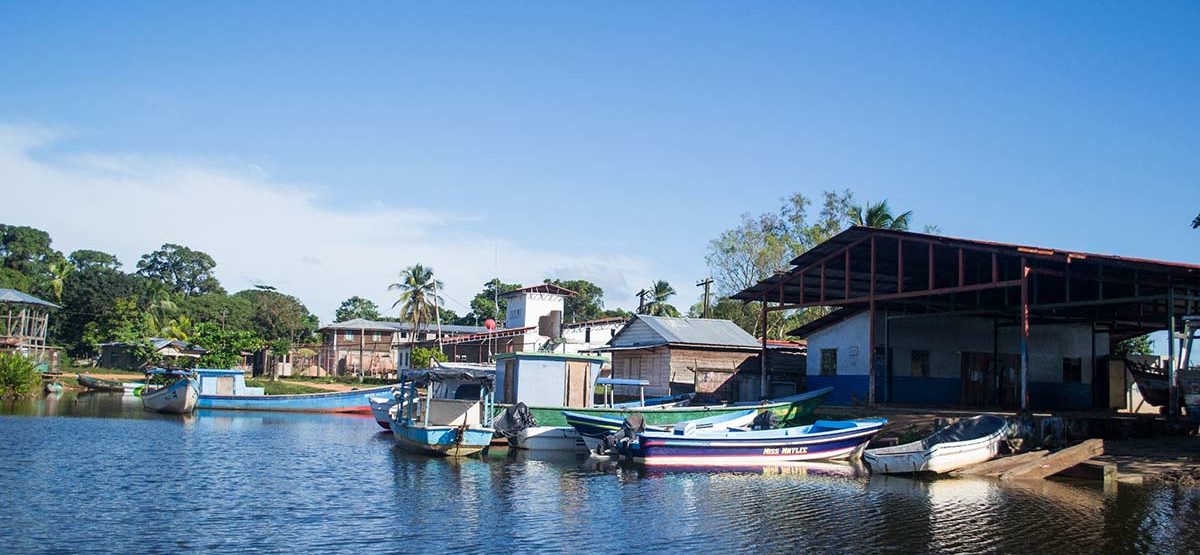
column 176, row 397
column 227, row 390
column 437, row 421
column 593, row 428
column 822, row 440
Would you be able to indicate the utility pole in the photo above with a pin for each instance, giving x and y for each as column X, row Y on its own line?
column 641, row 295
column 706, row 283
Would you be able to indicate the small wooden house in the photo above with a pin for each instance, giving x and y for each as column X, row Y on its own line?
column 682, row 355
column 172, row 352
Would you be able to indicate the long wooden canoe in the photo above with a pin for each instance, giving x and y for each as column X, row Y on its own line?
column 354, row 400
column 786, row 409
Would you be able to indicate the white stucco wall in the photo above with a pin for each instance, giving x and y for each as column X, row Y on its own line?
column 525, row 309
column 946, row 338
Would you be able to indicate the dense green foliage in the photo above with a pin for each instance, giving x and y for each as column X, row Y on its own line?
column 18, row 376
column 357, row 307
column 173, row 294
column 488, row 303
column 422, row 357
column 224, row 347
column 760, row 245
column 1140, row 345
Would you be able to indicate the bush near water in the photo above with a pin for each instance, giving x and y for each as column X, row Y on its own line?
column 18, row 376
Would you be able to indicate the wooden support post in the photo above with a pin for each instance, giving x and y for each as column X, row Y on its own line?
column 900, row 266
column 1172, row 372
column 846, row 278
column 762, row 359
column 802, row 287
column 995, row 269
column 1024, row 335
column 822, row 282
column 931, row 279
column 871, row 352
column 962, row 270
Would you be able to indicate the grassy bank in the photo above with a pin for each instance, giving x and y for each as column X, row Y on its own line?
column 283, row 388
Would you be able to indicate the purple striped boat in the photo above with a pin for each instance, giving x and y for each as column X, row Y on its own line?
column 822, row 440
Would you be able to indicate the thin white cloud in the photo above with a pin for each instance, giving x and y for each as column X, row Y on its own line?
column 262, row 231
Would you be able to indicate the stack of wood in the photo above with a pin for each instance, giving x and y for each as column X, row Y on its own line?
column 1074, row 461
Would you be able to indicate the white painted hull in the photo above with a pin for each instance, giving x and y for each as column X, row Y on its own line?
column 177, row 398
column 549, row 438
column 941, row 458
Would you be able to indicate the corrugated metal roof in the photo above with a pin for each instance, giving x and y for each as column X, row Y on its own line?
column 14, row 296
column 696, row 331
column 373, row 325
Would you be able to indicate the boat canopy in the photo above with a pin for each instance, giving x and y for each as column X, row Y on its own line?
column 425, row 376
column 166, row 372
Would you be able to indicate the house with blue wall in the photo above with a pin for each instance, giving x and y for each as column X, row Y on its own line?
column 922, row 319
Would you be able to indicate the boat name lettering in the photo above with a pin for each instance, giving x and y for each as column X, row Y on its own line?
column 785, row 450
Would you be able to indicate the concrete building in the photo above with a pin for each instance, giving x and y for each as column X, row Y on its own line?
column 918, row 318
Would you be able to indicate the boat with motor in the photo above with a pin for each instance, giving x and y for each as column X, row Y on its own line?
column 608, row 434
column 593, row 425
column 437, row 420
column 381, row 405
column 964, row 443
column 170, row 391
column 689, row 447
column 524, row 430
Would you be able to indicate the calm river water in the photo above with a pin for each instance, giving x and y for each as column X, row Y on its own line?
column 96, row 474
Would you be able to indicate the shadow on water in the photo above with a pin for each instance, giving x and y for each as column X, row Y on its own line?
column 262, row 481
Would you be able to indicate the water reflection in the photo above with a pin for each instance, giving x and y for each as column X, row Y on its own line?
column 305, row 482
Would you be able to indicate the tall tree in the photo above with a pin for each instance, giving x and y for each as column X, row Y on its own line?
column 90, row 295
column 488, row 303
column 184, row 270
column 356, row 307
column 660, row 293
column 417, row 288
column 275, row 315
column 26, row 251
column 587, row 304
column 879, row 215
column 86, row 259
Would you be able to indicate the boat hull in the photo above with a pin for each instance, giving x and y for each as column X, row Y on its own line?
column 179, row 397
column 785, row 411
column 354, row 401
column 548, row 438
column 751, row 448
column 939, row 458
column 446, row 441
column 380, row 407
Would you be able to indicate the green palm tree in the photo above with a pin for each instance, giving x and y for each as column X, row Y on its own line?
column 179, row 327
column 417, row 289
column 660, row 292
column 879, row 215
column 59, row 270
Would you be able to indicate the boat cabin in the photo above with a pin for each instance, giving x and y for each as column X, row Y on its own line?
column 547, row 379
column 216, row 381
column 454, row 396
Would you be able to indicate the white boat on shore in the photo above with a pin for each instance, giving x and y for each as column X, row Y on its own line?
column 959, row 445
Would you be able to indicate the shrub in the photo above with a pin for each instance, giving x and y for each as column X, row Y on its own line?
column 422, row 357
column 18, row 376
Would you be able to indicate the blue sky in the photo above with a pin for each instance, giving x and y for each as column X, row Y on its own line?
column 586, row 139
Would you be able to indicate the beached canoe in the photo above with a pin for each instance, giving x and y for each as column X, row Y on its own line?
column 354, row 401
column 97, row 384
column 964, row 443
column 178, row 397
column 822, row 440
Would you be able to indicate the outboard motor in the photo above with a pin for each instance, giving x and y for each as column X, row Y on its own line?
column 513, row 420
column 618, row 442
column 765, row 420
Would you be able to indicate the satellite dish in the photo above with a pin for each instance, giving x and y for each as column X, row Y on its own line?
column 490, row 324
